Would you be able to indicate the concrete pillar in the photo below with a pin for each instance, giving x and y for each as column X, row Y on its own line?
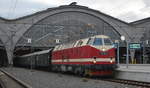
column 10, row 49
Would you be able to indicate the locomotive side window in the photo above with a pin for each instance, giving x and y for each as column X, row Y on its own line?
column 98, row 41
column 107, row 41
column 57, row 47
column 79, row 43
column 90, row 41
column 73, row 44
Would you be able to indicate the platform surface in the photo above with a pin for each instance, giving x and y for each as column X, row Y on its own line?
column 137, row 72
column 134, row 67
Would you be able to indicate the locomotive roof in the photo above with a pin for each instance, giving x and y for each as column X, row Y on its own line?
column 100, row 36
column 74, row 43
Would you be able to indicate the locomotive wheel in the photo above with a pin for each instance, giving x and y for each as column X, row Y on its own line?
column 58, row 69
column 82, row 74
column 87, row 73
column 53, row 68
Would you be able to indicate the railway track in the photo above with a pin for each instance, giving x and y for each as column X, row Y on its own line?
column 9, row 81
column 2, row 85
column 130, row 82
column 139, row 84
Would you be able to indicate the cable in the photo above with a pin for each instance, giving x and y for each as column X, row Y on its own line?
column 9, row 9
column 12, row 8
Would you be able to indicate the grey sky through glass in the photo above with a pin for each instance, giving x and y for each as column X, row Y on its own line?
column 126, row 10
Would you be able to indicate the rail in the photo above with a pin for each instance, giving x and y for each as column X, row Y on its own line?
column 130, row 82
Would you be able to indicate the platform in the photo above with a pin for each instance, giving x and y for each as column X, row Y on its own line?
column 137, row 72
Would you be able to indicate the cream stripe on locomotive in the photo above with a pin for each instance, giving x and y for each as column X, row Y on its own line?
column 85, row 60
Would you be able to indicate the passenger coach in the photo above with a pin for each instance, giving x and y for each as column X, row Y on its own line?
column 40, row 59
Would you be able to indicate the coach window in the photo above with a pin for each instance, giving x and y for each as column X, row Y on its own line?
column 97, row 41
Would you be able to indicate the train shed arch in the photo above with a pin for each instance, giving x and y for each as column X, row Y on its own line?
column 120, row 26
column 61, row 16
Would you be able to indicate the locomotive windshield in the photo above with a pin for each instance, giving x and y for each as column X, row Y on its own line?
column 107, row 41
column 98, row 41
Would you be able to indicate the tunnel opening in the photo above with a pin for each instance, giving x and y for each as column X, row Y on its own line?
column 3, row 57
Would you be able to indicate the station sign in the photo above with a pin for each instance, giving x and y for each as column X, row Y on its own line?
column 134, row 45
column 29, row 40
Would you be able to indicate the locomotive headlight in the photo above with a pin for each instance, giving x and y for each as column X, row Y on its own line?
column 103, row 49
column 94, row 61
column 111, row 60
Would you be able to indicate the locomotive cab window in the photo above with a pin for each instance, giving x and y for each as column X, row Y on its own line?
column 90, row 41
column 98, row 41
column 107, row 41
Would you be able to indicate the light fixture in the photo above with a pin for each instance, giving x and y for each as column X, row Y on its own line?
column 103, row 49
column 94, row 61
column 122, row 38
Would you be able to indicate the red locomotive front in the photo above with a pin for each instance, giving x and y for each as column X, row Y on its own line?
column 93, row 56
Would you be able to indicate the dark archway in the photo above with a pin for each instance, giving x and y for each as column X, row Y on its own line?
column 3, row 55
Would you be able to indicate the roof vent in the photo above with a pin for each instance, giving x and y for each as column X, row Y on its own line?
column 73, row 3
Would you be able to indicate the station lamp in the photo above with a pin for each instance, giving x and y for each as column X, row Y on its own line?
column 122, row 38
column 127, row 53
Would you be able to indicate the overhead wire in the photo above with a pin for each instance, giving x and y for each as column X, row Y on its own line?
column 9, row 9
column 12, row 8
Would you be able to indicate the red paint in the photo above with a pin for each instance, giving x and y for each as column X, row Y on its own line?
column 82, row 63
column 84, row 52
column 81, row 52
column 101, row 73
